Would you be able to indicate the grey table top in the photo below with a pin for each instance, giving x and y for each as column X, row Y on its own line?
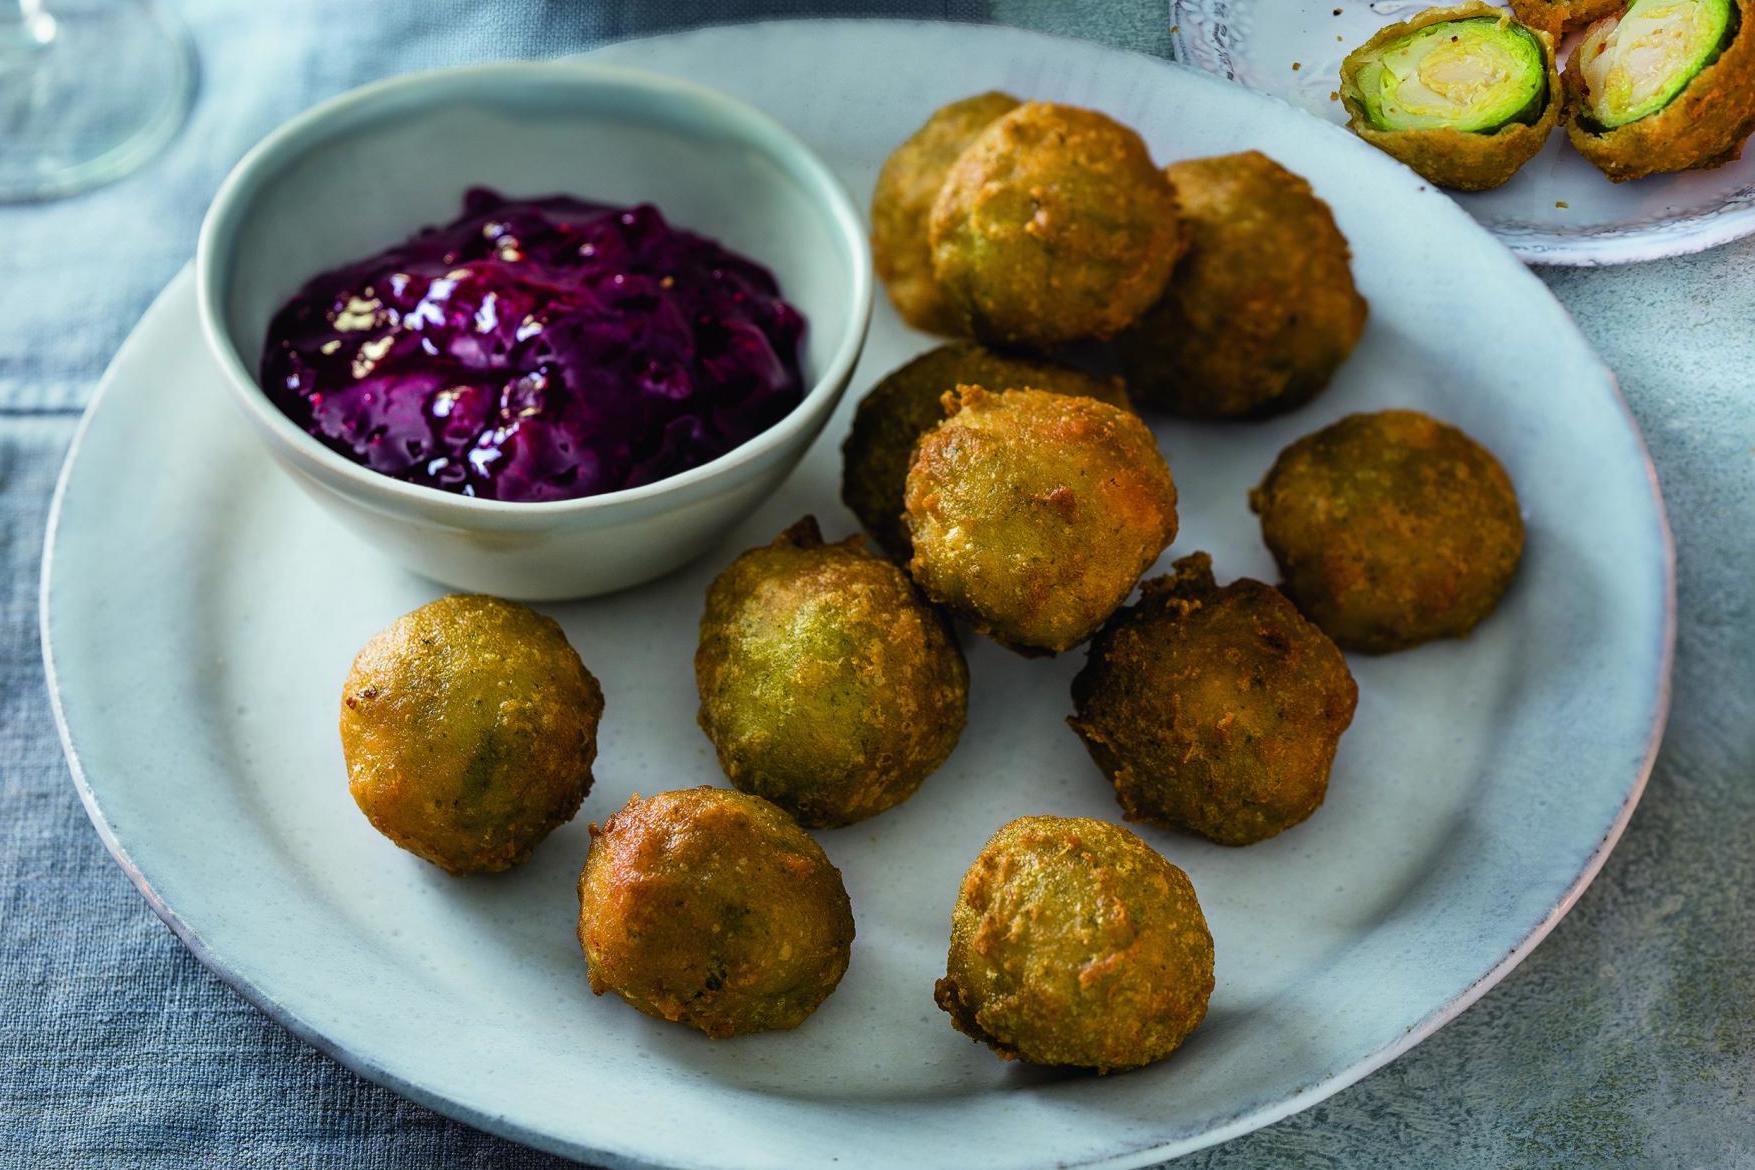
column 1626, row 1039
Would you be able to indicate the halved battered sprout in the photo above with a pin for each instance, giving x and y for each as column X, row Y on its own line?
column 1559, row 17
column 910, row 401
column 901, row 205
column 1054, row 226
column 469, row 728
column 1391, row 529
column 1668, row 86
column 1473, row 75
column 1635, row 64
column 1465, row 96
column 1214, row 710
column 1261, row 311
column 1074, row 943
column 713, row 909
column 827, row 683
column 1033, row 514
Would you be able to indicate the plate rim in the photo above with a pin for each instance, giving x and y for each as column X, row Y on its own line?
column 1686, row 236
column 1244, row 1121
column 182, row 284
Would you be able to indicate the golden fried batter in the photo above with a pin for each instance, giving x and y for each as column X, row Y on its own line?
column 1391, row 529
column 713, row 909
column 827, row 683
column 910, row 401
column 1261, row 311
column 1033, row 514
column 1461, row 160
column 1054, row 226
column 902, row 203
column 1559, row 17
column 1214, row 710
column 1706, row 125
column 469, row 728
column 1074, row 943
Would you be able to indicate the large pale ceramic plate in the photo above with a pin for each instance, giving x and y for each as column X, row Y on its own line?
column 1557, row 210
column 200, row 615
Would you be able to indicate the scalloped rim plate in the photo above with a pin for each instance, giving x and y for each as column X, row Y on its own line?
column 1558, row 210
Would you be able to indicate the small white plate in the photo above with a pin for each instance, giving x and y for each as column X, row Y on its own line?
column 1558, row 210
column 200, row 614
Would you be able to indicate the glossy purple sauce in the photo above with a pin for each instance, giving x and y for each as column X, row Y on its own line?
column 538, row 349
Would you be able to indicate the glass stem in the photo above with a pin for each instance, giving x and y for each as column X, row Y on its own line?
column 26, row 25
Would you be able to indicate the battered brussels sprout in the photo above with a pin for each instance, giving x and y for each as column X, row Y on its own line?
column 827, row 684
column 909, row 402
column 1667, row 86
column 1472, row 75
column 1033, row 514
column 1054, row 226
column 1391, row 529
column 1074, row 943
column 712, row 909
column 1635, row 64
column 469, row 727
column 1214, row 710
column 1465, row 96
column 902, row 203
column 1261, row 311
column 1559, row 17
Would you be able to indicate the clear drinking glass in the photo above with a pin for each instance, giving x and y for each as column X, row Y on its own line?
column 89, row 90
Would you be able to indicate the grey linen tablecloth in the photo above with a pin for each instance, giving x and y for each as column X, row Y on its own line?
column 1628, row 1039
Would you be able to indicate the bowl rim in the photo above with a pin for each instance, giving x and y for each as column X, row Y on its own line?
column 293, row 139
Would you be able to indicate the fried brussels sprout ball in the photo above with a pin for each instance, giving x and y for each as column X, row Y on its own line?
column 1669, row 85
column 1054, row 226
column 901, row 205
column 910, row 401
column 1262, row 310
column 1559, row 17
column 1465, row 96
column 1074, row 943
column 1391, row 529
column 1033, row 514
column 827, row 683
column 469, row 727
column 1214, row 710
column 713, row 909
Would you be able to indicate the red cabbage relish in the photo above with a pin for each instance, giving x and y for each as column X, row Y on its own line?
column 538, row 349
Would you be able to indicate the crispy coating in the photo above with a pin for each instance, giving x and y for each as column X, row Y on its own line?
column 1074, row 943
column 469, row 728
column 1214, row 710
column 1262, row 310
column 1704, row 126
column 1460, row 160
column 1033, row 514
column 1391, row 529
column 713, row 909
column 910, row 401
column 1559, row 17
column 901, row 206
column 1054, row 226
column 827, row 683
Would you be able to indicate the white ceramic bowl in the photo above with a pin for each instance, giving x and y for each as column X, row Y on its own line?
column 364, row 170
